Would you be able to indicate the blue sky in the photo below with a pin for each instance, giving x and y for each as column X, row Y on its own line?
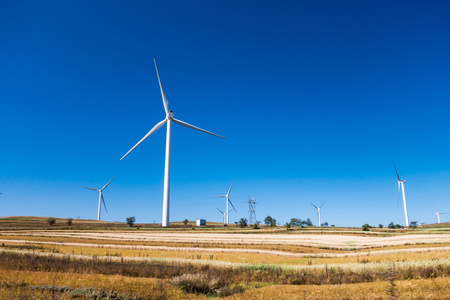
column 315, row 98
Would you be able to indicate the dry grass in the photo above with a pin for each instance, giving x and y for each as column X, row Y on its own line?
column 16, row 285
column 437, row 288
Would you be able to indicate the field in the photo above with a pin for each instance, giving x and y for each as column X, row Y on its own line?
column 107, row 260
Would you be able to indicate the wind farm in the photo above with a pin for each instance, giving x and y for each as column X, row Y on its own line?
column 318, row 101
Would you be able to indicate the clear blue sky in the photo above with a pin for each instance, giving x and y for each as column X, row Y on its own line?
column 315, row 98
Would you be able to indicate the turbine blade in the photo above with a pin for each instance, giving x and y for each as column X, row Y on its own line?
column 220, row 210
column 85, row 187
column 398, row 177
column 230, row 188
column 156, row 127
column 218, row 196
column 314, row 205
column 398, row 194
column 194, row 127
column 163, row 95
column 104, row 204
column 232, row 204
column 321, row 205
column 108, row 183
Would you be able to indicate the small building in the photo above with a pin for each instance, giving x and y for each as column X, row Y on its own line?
column 201, row 222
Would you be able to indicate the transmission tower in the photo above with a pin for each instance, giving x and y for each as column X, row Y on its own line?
column 252, row 211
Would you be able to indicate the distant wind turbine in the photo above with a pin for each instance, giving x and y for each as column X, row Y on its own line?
column 168, row 119
column 401, row 183
column 228, row 201
column 223, row 214
column 318, row 212
column 100, row 196
column 438, row 215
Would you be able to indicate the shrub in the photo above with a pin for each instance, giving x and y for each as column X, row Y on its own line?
column 51, row 221
column 69, row 221
column 365, row 227
column 242, row 222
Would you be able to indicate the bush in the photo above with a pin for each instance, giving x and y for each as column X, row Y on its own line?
column 51, row 221
column 242, row 222
column 365, row 227
column 69, row 221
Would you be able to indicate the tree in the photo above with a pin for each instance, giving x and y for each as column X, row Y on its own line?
column 268, row 220
column 242, row 222
column 69, row 221
column 288, row 225
column 365, row 227
column 380, row 225
column 413, row 224
column 51, row 221
column 296, row 222
column 131, row 221
column 185, row 222
column 308, row 222
column 324, row 224
column 273, row 223
column 391, row 225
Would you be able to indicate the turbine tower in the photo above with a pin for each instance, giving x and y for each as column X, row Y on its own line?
column 228, row 201
column 100, row 197
column 401, row 183
column 168, row 119
column 318, row 212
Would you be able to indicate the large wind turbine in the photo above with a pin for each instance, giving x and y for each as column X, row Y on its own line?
column 401, row 183
column 168, row 119
column 318, row 212
column 228, row 201
column 100, row 196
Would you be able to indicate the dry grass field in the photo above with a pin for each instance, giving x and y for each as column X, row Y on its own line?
column 107, row 260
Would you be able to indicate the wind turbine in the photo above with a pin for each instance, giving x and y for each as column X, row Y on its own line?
column 228, row 201
column 224, row 214
column 318, row 212
column 168, row 119
column 100, row 197
column 401, row 183
column 438, row 215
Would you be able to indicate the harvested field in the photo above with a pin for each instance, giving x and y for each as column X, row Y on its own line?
column 230, row 263
column 311, row 240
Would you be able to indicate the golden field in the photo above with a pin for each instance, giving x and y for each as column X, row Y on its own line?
column 93, row 261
